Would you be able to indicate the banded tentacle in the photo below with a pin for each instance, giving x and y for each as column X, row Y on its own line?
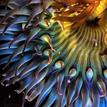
column 58, row 57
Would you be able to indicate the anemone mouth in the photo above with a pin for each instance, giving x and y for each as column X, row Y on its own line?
column 56, row 51
column 76, row 12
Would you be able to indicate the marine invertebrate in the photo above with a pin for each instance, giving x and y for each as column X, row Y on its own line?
column 54, row 49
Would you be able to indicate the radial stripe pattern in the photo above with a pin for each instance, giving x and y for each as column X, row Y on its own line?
column 56, row 50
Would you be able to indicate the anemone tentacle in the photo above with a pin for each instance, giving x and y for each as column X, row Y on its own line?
column 56, row 50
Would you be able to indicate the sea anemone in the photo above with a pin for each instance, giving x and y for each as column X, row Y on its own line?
column 56, row 50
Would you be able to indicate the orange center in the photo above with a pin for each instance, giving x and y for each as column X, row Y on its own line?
column 76, row 11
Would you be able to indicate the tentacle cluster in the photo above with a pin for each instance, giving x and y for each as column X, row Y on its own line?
column 59, row 67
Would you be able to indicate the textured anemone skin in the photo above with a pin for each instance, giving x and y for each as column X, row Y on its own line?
column 56, row 50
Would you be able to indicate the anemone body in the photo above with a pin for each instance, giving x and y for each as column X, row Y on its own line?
column 56, row 50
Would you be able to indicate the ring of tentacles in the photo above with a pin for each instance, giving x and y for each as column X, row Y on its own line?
column 56, row 50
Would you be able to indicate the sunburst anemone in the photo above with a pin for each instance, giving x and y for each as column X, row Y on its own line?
column 56, row 50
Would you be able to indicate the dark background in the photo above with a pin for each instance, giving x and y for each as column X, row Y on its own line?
column 9, row 98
